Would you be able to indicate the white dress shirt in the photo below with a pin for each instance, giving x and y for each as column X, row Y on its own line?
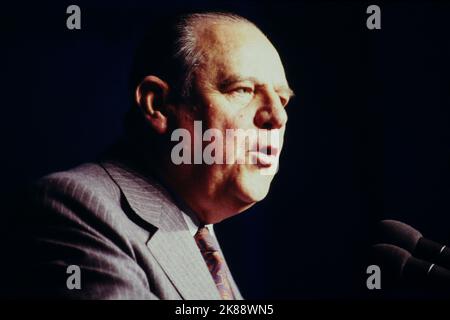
column 193, row 224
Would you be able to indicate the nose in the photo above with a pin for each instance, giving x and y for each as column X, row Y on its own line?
column 271, row 114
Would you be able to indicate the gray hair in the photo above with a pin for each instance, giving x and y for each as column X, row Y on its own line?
column 170, row 51
column 186, row 46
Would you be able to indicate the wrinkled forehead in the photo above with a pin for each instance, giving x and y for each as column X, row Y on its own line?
column 238, row 49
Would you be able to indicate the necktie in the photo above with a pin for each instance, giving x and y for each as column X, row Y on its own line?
column 215, row 262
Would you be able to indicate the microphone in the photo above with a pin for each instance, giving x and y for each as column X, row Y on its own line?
column 405, row 236
column 402, row 265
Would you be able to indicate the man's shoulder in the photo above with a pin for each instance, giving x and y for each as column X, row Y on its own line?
column 107, row 189
column 85, row 197
column 88, row 177
column 83, row 191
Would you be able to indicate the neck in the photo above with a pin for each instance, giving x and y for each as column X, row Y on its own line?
column 192, row 189
column 209, row 204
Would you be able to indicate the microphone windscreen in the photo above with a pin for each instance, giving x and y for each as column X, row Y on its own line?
column 399, row 234
column 391, row 257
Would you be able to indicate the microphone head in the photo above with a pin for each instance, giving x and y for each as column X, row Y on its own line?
column 391, row 257
column 399, row 234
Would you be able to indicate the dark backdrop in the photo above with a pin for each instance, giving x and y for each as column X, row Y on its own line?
column 368, row 134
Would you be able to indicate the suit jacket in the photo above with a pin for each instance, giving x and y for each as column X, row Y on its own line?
column 123, row 230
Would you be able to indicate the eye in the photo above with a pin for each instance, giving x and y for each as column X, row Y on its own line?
column 243, row 90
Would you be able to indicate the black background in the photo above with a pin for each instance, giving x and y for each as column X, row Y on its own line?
column 368, row 133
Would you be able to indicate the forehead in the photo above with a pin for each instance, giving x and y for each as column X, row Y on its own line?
column 238, row 49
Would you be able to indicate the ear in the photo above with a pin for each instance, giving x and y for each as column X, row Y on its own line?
column 151, row 97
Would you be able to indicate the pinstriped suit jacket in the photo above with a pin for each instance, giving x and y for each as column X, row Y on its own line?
column 122, row 229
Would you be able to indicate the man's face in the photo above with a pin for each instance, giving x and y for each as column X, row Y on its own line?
column 240, row 84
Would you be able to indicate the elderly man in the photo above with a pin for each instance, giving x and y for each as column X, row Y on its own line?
column 139, row 225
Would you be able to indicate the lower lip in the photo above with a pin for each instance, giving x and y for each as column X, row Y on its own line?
column 263, row 160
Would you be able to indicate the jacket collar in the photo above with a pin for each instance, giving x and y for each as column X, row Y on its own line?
column 172, row 244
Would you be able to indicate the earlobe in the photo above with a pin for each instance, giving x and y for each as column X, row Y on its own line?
column 158, row 121
column 151, row 96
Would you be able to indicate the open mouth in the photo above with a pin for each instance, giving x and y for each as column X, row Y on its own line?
column 264, row 156
column 269, row 150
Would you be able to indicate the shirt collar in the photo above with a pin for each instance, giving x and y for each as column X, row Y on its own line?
column 193, row 224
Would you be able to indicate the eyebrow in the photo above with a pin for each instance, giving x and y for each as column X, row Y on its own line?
column 234, row 79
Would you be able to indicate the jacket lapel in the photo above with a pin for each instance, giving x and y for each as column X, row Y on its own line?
column 171, row 245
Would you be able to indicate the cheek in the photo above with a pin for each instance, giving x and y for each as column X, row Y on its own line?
column 244, row 119
column 224, row 116
column 222, row 112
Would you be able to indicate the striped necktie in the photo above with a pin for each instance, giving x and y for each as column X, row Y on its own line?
column 216, row 264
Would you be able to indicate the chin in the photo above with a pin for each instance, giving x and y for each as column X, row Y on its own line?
column 254, row 187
